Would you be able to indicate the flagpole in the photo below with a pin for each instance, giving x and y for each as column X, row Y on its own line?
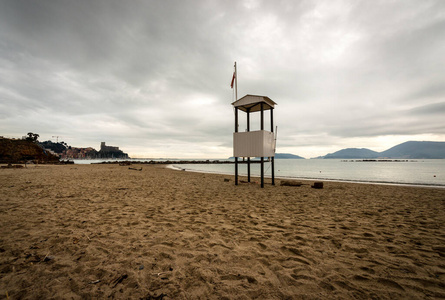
column 236, row 84
column 236, row 123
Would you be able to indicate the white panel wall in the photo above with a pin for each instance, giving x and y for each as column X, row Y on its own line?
column 259, row 143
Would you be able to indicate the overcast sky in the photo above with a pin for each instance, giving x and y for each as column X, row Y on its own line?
column 153, row 77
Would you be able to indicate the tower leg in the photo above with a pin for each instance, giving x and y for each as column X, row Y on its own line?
column 236, row 170
column 272, row 161
column 248, row 169
column 262, row 172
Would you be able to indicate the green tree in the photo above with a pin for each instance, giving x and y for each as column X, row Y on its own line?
column 32, row 137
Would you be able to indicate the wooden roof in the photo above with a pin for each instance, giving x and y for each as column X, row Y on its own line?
column 252, row 103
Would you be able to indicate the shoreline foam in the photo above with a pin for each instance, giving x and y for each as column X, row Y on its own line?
column 395, row 183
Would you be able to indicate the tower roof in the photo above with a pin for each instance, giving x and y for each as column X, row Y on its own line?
column 252, row 103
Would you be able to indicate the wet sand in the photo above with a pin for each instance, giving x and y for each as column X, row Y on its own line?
column 100, row 231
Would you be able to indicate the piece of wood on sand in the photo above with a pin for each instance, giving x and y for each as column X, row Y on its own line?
column 317, row 185
column 291, row 183
column 135, row 169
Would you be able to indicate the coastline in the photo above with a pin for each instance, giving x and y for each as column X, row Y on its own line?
column 422, row 185
column 218, row 166
column 79, row 231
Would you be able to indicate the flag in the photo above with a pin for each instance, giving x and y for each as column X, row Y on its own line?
column 233, row 79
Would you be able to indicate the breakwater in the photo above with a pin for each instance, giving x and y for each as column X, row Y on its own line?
column 176, row 162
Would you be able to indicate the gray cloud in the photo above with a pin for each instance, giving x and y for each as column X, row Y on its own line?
column 153, row 77
column 429, row 110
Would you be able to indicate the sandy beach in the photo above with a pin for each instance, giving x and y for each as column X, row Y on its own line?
column 107, row 231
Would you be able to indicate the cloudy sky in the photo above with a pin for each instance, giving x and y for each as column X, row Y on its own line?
column 153, row 77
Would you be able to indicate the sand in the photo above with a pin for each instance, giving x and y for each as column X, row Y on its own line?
column 106, row 231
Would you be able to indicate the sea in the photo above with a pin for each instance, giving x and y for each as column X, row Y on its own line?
column 420, row 172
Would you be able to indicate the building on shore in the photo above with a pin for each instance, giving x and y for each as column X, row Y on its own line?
column 76, row 153
column 106, row 148
column 110, row 152
column 91, row 153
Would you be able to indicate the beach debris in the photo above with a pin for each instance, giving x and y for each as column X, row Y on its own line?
column 135, row 169
column 48, row 258
column 317, row 185
column 118, row 280
column 45, row 256
column 226, row 179
column 291, row 183
column 32, row 258
column 244, row 181
column 35, row 258
column 141, row 267
column 10, row 166
column 124, row 163
column 95, row 281
column 75, row 240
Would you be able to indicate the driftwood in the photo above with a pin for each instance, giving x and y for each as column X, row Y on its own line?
column 10, row 166
column 291, row 183
column 118, row 280
column 317, row 185
column 135, row 169
column 244, row 181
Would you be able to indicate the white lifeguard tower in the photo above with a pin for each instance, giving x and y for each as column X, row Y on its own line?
column 259, row 143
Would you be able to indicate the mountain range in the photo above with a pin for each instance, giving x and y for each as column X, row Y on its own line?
column 407, row 150
column 287, row 156
column 282, row 156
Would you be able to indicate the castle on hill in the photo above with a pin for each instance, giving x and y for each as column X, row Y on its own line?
column 105, row 148
column 91, row 153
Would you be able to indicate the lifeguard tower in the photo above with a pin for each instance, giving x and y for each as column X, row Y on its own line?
column 259, row 143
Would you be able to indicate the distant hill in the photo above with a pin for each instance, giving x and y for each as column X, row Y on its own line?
column 416, row 150
column 21, row 151
column 353, row 153
column 407, row 150
column 287, row 156
column 55, row 147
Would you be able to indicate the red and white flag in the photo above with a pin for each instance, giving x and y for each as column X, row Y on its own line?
column 233, row 79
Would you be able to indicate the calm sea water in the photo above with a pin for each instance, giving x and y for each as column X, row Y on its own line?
column 429, row 172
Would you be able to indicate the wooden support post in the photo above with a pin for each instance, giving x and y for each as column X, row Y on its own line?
column 248, row 169
column 236, row 158
column 236, row 170
column 262, row 116
column 248, row 158
column 248, row 119
column 262, row 172
column 272, row 160
column 236, row 119
column 271, row 119
column 262, row 158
